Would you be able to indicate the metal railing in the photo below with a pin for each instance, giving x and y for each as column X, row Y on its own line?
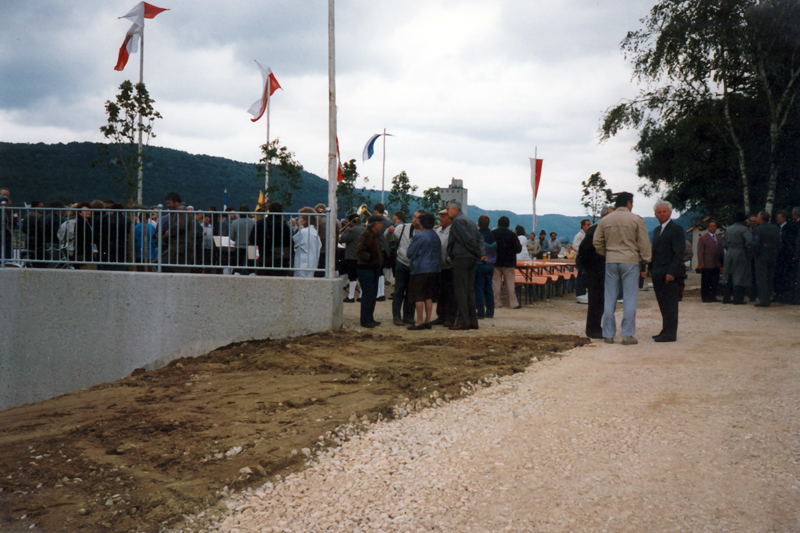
column 162, row 240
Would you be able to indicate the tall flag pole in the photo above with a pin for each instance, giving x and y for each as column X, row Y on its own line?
column 333, row 160
column 261, row 106
column 369, row 151
column 135, row 33
column 536, row 176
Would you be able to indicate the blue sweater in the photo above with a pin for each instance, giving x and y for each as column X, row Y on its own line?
column 425, row 253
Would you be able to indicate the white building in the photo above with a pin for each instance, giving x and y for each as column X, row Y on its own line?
column 455, row 191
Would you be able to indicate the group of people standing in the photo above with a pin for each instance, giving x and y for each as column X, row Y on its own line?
column 755, row 257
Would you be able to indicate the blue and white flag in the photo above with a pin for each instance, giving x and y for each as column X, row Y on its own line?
column 369, row 149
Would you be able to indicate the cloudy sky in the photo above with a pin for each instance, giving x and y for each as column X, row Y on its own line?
column 469, row 89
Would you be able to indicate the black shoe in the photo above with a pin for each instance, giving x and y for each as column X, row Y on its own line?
column 489, row 316
column 448, row 323
column 380, row 299
column 761, row 305
column 595, row 336
column 665, row 338
column 659, row 335
column 481, row 317
column 397, row 321
column 372, row 324
column 349, row 300
column 416, row 327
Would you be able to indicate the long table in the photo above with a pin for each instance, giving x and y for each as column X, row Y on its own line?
column 542, row 278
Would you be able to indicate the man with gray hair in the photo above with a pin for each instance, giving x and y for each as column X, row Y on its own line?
column 622, row 238
column 465, row 246
column 669, row 245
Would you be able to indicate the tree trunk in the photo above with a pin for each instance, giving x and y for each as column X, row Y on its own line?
column 739, row 150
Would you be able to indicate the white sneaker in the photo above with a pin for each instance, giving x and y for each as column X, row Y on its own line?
column 582, row 299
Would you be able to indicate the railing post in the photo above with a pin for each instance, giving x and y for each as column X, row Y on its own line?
column 160, row 232
column 3, row 232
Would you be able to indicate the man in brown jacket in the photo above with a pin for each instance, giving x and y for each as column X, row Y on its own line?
column 710, row 256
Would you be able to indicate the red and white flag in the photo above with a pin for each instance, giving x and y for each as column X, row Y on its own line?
column 130, row 45
column 270, row 85
column 340, row 171
column 536, row 177
column 142, row 11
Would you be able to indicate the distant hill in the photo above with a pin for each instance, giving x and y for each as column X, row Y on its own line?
column 64, row 172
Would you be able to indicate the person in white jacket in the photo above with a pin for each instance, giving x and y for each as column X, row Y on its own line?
column 307, row 246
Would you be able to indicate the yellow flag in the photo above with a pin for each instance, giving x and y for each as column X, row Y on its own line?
column 261, row 199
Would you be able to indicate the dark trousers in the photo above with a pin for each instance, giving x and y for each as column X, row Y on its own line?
column 580, row 282
column 464, row 291
column 667, row 294
column 401, row 305
column 709, row 284
column 765, row 273
column 484, row 295
column 446, row 304
column 737, row 292
column 369, row 294
column 595, row 288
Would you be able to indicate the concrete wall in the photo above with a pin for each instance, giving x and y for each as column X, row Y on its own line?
column 65, row 330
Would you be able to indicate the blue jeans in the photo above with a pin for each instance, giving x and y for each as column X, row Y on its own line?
column 623, row 277
column 369, row 292
column 400, row 301
column 484, row 294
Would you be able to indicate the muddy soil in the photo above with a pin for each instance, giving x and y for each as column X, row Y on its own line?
column 139, row 453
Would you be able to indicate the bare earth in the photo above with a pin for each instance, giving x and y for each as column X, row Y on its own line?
column 699, row 435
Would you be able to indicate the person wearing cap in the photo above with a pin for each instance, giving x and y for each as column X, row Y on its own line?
column 544, row 245
column 446, row 304
column 464, row 246
column 425, row 253
column 370, row 268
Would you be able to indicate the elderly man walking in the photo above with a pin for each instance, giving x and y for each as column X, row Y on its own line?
column 464, row 246
column 622, row 238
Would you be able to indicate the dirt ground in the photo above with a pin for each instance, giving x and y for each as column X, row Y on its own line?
column 139, row 453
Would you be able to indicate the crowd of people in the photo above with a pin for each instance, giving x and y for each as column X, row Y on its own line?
column 107, row 236
column 616, row 254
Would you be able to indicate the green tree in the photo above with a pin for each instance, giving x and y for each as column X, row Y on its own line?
column 431, row 200
column 348, row 197
column 595, row 195
column 284, row 172
column 691, row 52
column 400, row 196
column 131, row 113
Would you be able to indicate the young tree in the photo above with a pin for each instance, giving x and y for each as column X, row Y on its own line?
column 400, row 197
column 596, row 194
column 284, row 172
column 122, row 131
column 348, row 197
column 431, row 200
column 695, row 51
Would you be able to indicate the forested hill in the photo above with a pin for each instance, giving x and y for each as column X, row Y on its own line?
column 64, row 172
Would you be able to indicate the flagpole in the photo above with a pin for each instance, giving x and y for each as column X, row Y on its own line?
column 330, row 239
column 535, row 159
column 141, row 155
column 383, row 171
column 266, row 173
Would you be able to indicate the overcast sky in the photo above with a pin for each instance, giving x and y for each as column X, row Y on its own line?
column 468, row 88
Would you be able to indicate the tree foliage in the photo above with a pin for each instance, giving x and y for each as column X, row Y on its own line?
column 122, row 131
column 285, row 175
column 348, row 197
column 739, row 54
column 431, row 200
column 595, row 195
column 400, row 196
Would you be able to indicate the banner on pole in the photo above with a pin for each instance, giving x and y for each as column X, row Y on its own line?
column 130, row 45
column 369, row 148
column 536, row 176
column 270, row 85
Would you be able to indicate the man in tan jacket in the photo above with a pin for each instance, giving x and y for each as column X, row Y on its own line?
column 622, row 238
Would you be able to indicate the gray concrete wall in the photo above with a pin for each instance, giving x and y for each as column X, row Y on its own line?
column 65, row 330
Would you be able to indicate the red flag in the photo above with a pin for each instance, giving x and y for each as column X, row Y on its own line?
column 141, row 11
column 536, row 177
column 260, row 105
column 340, row 172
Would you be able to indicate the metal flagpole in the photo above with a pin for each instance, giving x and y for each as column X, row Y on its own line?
column 141, row 156
column 330, row 239
column 533, row 183
column 383, row 171
column 266, row 173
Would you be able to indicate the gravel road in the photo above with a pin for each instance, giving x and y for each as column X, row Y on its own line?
column 699, row 435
